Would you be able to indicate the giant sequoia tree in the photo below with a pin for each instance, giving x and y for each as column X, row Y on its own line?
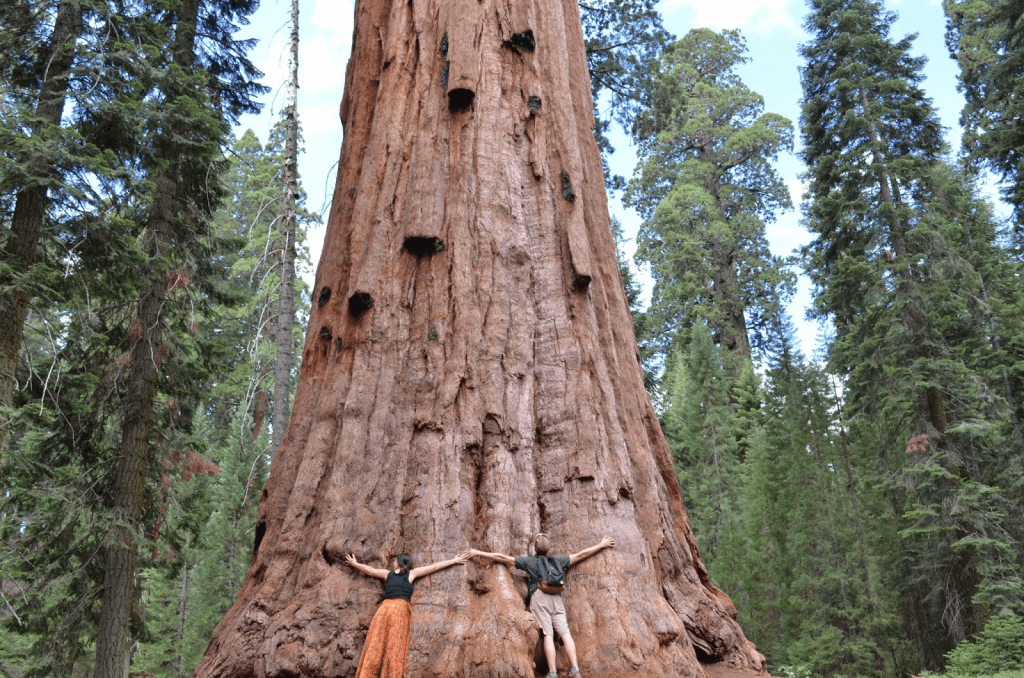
column 470, row 376
column 705, row 186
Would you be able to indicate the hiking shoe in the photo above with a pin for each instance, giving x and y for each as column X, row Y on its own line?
column 575, row 671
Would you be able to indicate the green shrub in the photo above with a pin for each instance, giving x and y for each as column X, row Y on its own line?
column 999, row 647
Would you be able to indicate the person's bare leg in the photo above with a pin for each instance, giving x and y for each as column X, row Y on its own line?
column 570, row 649
column 549, row 653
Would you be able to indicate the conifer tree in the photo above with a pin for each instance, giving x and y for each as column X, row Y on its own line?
column 623, row 39
column 288, row 229
column 705, row 187
column 887, row 254
column 37, row 79
column 986, row 38
column 826, row 608
column 702, row 431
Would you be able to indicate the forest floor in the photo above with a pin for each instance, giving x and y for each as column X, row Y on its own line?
column 719, row 671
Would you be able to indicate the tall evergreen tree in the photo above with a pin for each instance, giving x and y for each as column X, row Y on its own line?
column 289, row 229
column 887, row 253
column 36, row 69
column 824, row 606
column 986, row 38
column 702, row 429
column 705, row 187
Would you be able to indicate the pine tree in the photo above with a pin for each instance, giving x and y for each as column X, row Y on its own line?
column 289, row 229
column 38, row 79
column 250, row 217
column 227, row 537
column 851, row 627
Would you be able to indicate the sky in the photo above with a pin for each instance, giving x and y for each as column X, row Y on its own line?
column 773, row 32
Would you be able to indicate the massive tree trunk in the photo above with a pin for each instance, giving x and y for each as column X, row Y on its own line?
column 470, row 377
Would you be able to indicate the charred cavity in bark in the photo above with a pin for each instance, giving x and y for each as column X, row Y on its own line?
column 703, row 656
column 523, row 41
column 359, row 303
column 422, row 245
column 325, row 296
column 261, row 529
column 579, row 282
column 328, row 558
column 533, row 103
column 460, row 99
column 325, row 337
column 567, row 188
column 337, row 344
column 475, row 453
column 443, row 51
column 542, row 514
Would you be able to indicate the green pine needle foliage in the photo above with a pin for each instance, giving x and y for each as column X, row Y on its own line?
column 997, row 649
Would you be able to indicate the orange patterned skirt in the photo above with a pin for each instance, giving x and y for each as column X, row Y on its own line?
column 387, row 641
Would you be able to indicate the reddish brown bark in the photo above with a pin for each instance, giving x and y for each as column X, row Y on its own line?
column 492, row 390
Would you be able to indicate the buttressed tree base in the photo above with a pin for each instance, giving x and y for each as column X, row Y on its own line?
column 470, row 377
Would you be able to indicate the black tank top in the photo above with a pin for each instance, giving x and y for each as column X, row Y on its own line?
column 398, row 586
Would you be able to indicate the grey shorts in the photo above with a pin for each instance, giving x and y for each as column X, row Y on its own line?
column 549, row 611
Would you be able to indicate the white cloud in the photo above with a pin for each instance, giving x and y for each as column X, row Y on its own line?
column 326, row 47
column 319, row 119
column 335, row 16
column 761, row 16
column 322, row 61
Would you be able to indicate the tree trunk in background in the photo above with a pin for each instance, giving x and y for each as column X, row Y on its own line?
column 130, row 487
column 471, row 377
column 286, row 288
column 32, row 201
column 129, row 493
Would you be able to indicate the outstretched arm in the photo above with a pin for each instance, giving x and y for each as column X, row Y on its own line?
column 366, row 569
column 418, row 572
column 497, row 557
column 586, row 553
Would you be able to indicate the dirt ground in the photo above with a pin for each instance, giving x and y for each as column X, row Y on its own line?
column 720, row 671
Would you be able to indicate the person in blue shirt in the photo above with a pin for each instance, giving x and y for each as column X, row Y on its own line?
column 547, row 606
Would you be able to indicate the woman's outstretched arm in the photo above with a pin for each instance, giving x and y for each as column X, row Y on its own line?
column 366, row 569
column 440, row 565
